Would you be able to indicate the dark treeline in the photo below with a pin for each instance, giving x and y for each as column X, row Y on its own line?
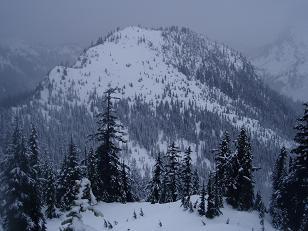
column 174, row 178
column 30, row 183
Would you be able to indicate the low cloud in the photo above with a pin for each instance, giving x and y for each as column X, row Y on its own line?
column 243, row 24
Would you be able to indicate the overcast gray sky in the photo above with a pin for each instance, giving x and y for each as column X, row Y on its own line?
column 243, row 24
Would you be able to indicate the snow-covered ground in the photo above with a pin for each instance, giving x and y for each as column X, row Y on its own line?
column 171, row 216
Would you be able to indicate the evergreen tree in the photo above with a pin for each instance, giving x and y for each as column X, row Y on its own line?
column 212, row 202
column 126, row 192
column 172, row 170
column 50, row 193
column 260, row 207
column 276, row 203
column 295, row 194
column 244, row 182
column 201, row 208
column 217, row 189
column 108, row 134
column 33, row 150
column 136, row 180
column 163, row 191
column 155, row 183
column 186, row 174
column 86, row 194
column 83, row 202
column 19, row 186
column 195, row 183
column 222, row 162
column 70, row 173
column 92, row 172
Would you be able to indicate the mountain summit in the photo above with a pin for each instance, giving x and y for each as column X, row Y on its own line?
column 173, row 85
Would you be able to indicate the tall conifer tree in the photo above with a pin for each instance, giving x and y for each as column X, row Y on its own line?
column 172, row 170
column 70, row 173
column 34, row 163
column 50, row 192
column 93, row 172
column 212, row 202
column 186, row 174
column 244, row 182
column 279, row 174
column 195, row 183
column 126, row 192
column 108, row 135
column 155, row 185
column 295, row 194
column 222, row 161
column 19, row 186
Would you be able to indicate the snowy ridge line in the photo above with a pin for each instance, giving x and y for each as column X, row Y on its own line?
column 136, row 63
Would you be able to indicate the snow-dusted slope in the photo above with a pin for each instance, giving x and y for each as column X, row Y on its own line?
column 171, row 216
column 284, row 65
column 173, row 85
column 146, row 63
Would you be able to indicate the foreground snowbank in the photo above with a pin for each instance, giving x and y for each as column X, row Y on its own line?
column 163, row 217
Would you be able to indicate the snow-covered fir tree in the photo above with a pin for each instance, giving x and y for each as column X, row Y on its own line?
column 244, row 185
column 92, row 171
column 195, row 183
column 232, row 177
column 135, row 180
column 213, row 203
column 22, row 209
column 222, row 162
column 186, row 174
column 217, row 189
column 34, row 151
column 34, row 163
column 295, row 194
column 69, row 174
column 83, row 202
column 276, row 203
column 155, row 185
column 163, row 191
column 108, row 135
column 171, row 173
column 260, row 207
column 126, row 191
column 50, row 192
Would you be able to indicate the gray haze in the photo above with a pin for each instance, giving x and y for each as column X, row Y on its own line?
column 243, row 24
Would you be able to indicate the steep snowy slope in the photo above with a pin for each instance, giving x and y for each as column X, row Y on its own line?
column 173, row 85
column 171, row 216
column 148, row 64
column 284, row 65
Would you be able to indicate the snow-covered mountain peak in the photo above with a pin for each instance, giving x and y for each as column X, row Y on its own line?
column 143, row 58
column 283, row 64
column 157, row 66
column 173, row 85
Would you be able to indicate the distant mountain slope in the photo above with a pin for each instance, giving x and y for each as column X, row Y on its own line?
column 284, row 65
column 22, row 66
column 173, row 85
